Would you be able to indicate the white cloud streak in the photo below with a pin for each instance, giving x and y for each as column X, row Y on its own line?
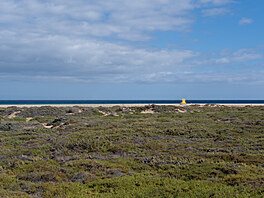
column 242, row 55
column 215, row 11
column 245, row 21
column 216, row 2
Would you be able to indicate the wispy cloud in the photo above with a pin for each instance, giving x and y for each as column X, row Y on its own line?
column 120, row 18
column 215, row 11
column 245, row 21
column 216, row 2
column 240, row 56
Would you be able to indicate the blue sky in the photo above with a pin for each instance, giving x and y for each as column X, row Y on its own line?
column 141, row 49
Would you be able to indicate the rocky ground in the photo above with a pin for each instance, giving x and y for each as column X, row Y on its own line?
column 150, row 151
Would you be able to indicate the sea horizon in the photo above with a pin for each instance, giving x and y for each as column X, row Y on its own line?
column 78, row 102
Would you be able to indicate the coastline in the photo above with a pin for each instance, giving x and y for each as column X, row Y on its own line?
column 125, row 105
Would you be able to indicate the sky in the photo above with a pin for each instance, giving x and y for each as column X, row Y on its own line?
column 123, row 49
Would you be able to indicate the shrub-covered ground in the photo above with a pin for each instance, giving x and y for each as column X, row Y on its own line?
column 151, row 151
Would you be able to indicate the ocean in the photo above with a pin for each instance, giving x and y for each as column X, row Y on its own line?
column 54, row 102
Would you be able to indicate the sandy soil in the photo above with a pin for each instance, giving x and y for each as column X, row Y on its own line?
column 13, row 115
column 126, row 105
column 28, row 119
column 46, row 126
column 148, row 111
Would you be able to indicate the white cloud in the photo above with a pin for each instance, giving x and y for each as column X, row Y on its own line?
column 248, row 77
column 215, row 11
column 242, row 55
column 245, row 21
column 120, row 18
column 84, row 41
column 222, row 60
column 246, row 55
column 216, row 2
column 86, row 59
column 227, row 57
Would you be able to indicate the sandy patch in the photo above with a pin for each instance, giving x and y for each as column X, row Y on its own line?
column 128, row 110
column 181, row 111
column 28, row 119
column 46, row 126
column 148, row 111
column 13, row 115
column 129, row 105
column 104, row 113
column 107, row 114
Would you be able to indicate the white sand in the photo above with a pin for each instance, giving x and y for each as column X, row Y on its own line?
column 13, row 115
column 148, row 111
column 126, row 105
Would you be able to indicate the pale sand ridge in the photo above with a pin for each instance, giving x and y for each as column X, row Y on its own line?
column 128, row 105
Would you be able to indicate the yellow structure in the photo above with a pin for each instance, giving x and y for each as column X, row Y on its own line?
column 183, row 101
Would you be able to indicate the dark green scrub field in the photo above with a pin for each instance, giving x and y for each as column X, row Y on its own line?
column 151, row 151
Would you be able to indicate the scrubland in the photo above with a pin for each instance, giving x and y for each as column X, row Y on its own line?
column 150, row 151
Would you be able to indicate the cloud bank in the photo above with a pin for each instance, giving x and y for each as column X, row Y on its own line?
column 96, row 41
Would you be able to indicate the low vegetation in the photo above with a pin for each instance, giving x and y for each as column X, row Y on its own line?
column 150, row 151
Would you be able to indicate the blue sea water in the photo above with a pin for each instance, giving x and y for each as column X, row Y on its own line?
column 53, row 102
